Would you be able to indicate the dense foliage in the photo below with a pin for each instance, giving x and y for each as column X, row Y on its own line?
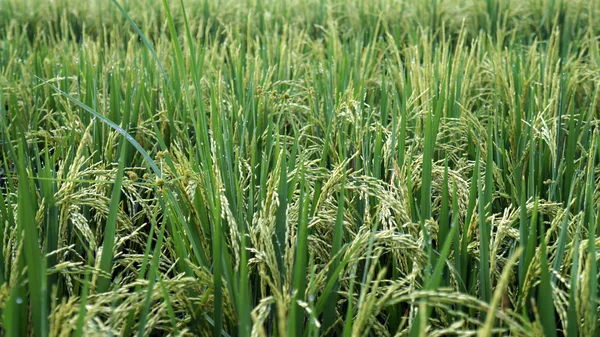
column 299, row 168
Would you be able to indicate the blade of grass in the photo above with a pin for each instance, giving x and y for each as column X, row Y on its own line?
column 573, row 321
column 296, row 316
column 485, row 207
column 562, row 238
column 444, row 217
column 419, row 324
column 545, row 298
column 331, row 304
column 591, row 264
column 281, row 215
column 36, row 263
column 110, row 229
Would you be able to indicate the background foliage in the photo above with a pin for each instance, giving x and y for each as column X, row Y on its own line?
column 299, row 168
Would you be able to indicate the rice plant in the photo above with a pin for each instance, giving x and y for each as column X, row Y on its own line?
column 299, row 168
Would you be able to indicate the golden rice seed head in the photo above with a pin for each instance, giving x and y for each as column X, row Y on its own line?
column 132, row 176
column 160, row 182
column 146, row 176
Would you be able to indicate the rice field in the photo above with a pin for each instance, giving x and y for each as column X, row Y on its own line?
column 299, row 168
